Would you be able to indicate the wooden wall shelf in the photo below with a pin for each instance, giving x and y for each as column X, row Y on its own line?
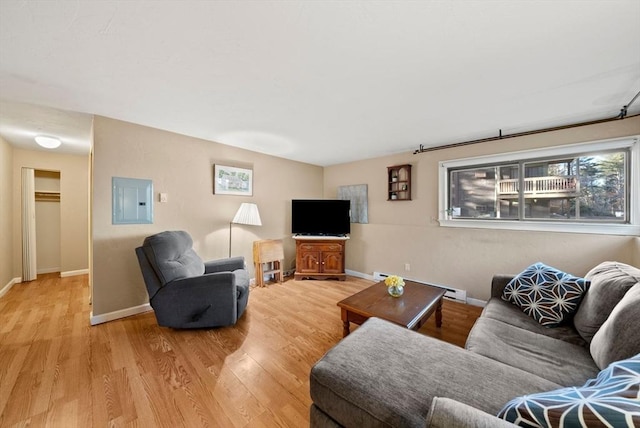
column 399, row 183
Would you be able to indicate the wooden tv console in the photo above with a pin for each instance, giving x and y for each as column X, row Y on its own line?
column 320, row 257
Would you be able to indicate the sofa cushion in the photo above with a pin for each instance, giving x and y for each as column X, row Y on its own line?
column 609, row 283
column 545, row 293
column 612, row 399
column 552, row 359
column 171, row 256
column 448, row 413
column 385, row 375
column 507, row 313
column 619, row 336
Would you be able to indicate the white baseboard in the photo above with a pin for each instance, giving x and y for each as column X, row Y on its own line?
column 358, row 274
column 123, row 313
column 48, row 270
column 476, row 302
column 10, row 284
column 74, row 273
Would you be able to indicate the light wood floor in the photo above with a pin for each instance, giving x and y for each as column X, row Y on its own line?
column 57, row 370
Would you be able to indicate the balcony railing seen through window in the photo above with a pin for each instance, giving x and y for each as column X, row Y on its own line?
column 591, row 187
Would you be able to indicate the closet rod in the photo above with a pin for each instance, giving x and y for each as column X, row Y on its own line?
column 47, row 196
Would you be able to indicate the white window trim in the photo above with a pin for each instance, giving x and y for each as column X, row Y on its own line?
column 631, row 229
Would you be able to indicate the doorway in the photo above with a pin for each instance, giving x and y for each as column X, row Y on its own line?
column 41, row 240
column 47, row 195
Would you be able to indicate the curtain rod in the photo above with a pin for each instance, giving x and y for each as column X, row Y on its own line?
column 423, row 149
column 621, row 116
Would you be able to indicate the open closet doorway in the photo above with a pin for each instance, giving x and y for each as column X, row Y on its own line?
column 47, row 195
column 41, row 222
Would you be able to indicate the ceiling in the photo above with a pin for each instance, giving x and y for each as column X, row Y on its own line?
column 322, row 82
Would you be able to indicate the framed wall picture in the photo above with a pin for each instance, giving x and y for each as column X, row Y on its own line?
column 230, row 180
column 357, row 194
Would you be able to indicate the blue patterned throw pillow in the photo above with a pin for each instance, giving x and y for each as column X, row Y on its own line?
column 610, row 400
column 546, row 294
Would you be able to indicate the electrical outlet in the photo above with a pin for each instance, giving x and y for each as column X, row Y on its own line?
column 407, row 267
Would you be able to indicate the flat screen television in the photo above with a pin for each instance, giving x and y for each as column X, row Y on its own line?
column 318, row 217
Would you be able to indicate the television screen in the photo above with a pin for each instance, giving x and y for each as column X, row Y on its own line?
column 320, row 217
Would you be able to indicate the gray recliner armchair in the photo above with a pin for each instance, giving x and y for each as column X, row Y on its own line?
column 186, row 292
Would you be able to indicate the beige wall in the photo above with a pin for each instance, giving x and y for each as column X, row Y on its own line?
column 6, row 217
column 182, row 167
column 635, row 250
column 74, row 191
column 403, row 231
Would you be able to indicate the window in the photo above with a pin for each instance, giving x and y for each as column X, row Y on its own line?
column 587, row 188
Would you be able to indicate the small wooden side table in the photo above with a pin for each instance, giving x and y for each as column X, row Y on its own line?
column 268, row 252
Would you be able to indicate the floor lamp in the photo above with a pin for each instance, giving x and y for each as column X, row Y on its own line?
column 247, row 214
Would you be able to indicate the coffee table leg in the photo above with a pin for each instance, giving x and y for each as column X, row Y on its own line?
column 345, row 328
column 345, row 323
column 439, row 314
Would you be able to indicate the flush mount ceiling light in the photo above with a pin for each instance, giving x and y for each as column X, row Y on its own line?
column 48, row 142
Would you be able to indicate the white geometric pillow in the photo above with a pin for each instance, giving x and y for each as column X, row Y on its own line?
column 545, row 293
column 610, row 400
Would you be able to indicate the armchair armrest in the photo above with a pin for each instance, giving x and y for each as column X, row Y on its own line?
column 224, row 265
column 182, row 303
column 214, row 279
column 498, row 282
column 448, row 413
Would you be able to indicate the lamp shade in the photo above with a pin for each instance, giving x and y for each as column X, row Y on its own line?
column 247, row 214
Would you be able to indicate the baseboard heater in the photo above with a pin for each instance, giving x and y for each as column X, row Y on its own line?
column 451, row 293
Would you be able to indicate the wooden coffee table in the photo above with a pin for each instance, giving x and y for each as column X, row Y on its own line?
column 411, row 310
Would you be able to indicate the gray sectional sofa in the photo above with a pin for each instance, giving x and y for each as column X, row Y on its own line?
column 382, row 375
